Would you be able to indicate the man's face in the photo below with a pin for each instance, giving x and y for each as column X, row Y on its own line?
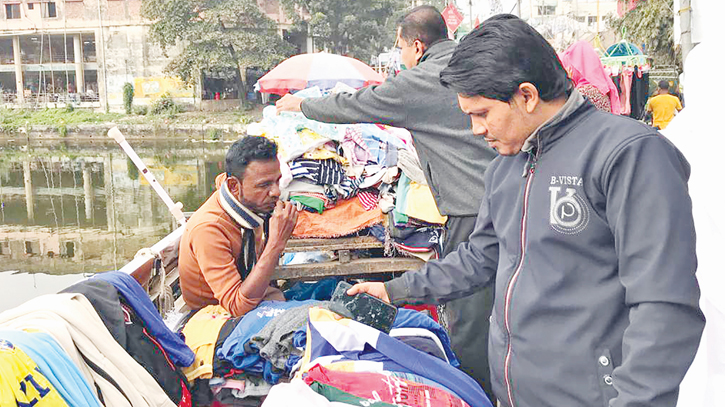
column 258, row 189
column 409, row 53
column 503, row 125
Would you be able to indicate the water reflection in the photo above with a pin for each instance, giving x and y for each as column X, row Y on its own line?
column 84, row 208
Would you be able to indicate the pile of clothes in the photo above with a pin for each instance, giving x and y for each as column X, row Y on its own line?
column 280, row 349
column 100, row 342
column 358, row 178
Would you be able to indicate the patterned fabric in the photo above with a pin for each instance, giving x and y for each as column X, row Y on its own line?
column 247, row 220
column 321, row 172
column 369, row 200
column 355, row 148
column 600, row 100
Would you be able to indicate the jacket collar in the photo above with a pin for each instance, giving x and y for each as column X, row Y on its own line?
column 240, row 213
column 546, row 133
column 436, row 49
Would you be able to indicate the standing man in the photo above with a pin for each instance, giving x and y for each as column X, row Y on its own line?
column 586, row 227
column 663, row 106
column 225, row 256
column 452, row 160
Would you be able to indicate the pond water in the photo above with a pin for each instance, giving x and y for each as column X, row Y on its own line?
column 68, row 210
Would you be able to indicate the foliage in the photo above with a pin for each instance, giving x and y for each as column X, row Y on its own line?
column 12, row 120
column 164, row 105
column 214, row 133
column 215, row 35
column 62, row 129
column 360, row 28
column 141, row 110
column 127, row 97
column 651, row 23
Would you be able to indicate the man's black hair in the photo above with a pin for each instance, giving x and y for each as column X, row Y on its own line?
column 501, row 54
column 424, row 23
column 246, row 150
column 664, row 85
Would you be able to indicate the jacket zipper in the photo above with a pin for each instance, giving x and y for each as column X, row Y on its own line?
column 514, row 277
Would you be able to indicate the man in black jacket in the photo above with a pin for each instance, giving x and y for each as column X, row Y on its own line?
column 452, row 159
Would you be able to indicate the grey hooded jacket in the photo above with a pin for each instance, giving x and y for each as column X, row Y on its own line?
column 452, row 159
column 590, row 237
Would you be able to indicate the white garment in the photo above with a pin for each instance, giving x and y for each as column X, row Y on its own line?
column 697, row 132
column 73, row 322
column 296, row 393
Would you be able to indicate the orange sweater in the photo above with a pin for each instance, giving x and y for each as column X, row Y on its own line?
column 208, row 250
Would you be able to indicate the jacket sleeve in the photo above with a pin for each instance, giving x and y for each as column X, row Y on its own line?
column 460, row 273
column 219, row 269
column 383, row 104
column 649, row 212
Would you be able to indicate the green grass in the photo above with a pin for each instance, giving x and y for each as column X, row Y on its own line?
column 13, row 119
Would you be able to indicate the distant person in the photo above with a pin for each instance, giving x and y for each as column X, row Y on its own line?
column 586, row 71
column 225, row 256
column 453, row 161
column 663, row 106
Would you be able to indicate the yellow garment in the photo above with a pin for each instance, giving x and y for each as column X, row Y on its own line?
column 22, row 382
column 421, row 205
column 201, row 333
column 663, row 109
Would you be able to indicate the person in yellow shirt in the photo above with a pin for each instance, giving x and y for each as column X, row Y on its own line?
column 663, row 106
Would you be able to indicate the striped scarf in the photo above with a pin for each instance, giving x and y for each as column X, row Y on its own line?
column 248, row 221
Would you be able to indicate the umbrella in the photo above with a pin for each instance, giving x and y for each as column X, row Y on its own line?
column 319, row 69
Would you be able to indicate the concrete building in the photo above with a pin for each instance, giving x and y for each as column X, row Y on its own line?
column 83, row 51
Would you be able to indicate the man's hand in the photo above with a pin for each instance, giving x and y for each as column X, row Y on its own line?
column 374, row 289
column 289, row 103
column 281, row 225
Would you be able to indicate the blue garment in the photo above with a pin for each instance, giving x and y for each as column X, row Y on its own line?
column 320, row 290
column 236, row 349
column 137, row 299
column 406, row 318
column 55, row 364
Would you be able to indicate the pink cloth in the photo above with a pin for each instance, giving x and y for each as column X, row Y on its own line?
column 625, row 81
column 585, row 67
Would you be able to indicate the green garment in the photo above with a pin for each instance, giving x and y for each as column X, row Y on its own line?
column 334, row 394
column 310, row 202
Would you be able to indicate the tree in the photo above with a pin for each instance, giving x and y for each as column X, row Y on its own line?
column 651, row 23
column 216, row 35
column 360, row 28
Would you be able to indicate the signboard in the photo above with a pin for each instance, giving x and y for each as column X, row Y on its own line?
column 452, row 17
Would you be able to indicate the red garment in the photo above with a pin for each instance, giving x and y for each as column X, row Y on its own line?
column 385, row 388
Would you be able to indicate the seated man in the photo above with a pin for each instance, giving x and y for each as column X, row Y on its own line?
column 225, row 257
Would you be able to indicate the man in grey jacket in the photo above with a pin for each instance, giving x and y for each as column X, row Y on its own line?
column 453, row 161
column 586, row 226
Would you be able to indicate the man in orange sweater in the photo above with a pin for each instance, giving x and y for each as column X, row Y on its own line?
column 225, row 256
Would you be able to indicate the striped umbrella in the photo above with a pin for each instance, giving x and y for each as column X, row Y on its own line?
column 319, row 69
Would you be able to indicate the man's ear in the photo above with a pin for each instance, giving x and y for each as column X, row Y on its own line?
column 234, row 184
column 419, row 49
column 530, row 96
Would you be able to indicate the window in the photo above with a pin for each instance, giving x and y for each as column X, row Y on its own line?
column 49, row 10
column 31, row 6
column 592, row 20
column 547, row 10
column 12, row 11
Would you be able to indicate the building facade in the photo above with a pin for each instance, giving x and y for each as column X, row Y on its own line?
column 83, row 51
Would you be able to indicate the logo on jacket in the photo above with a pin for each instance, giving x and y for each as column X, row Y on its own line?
column 569, row 213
